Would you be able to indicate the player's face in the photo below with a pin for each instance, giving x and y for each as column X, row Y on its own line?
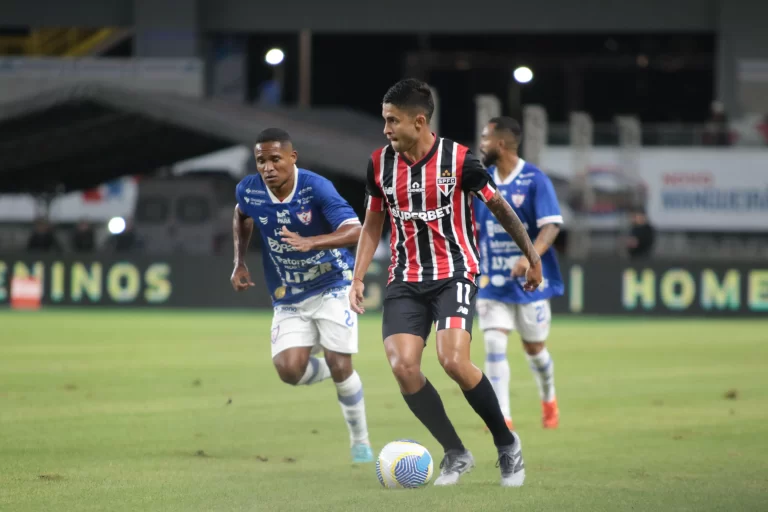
column 275, row 162
column 402, row 128
column 490, row 145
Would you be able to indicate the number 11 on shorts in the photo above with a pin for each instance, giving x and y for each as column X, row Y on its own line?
column 465, row 288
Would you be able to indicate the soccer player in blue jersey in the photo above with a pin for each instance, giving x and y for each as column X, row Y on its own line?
column 305, row 226
column 502, row 304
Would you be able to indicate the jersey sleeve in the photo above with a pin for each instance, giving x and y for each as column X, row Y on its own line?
column 547, row 209
column 335, row 208
column 475, row 179
column 374, row 197
column 240, row 197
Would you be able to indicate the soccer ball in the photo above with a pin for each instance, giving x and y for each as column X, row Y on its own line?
column 404, row 464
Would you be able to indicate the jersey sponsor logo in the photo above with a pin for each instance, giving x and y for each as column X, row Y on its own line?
column 504, row 246
column 263, row 220
column 284, row 217
column 286, row 310
column 446, row 182
column 523, row 183
column 517, row 200
column 312, row 273
column 305, row 190
column 253, row 201
column 305, row 217
column 295, row 264
column 416, row 187
column 389, row 190
column 426, row 216
column 503, row 263
column 254, row 191
column 279, row 248
column 493, row 228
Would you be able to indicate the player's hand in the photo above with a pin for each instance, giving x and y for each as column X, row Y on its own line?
column 533, row 277
column 356, row 296
column 296, row 241
column 241, row 278
column 521, row 267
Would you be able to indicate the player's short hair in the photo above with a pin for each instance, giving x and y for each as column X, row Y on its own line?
column 411, row 94
column 505, row 125
column 273, row 135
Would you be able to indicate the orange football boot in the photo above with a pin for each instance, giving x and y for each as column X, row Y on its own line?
column 551, row 414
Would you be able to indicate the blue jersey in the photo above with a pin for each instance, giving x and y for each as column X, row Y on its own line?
column 531, row 194
column 314, row 207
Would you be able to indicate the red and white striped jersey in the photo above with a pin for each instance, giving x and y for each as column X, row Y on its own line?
column 430, row 205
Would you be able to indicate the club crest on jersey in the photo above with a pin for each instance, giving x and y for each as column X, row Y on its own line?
column 446, row 182
column 305, row 217
column 517, row 200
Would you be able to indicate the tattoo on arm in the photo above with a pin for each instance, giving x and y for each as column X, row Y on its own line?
column 512, row 225
column 546, row 237
column 242, row 228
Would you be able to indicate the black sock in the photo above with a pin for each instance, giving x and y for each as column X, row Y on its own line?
column 428, row 407
column 486, row 404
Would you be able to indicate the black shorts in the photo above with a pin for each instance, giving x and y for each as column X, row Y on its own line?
column 412, row 308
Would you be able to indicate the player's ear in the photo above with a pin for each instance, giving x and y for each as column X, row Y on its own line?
column 294, row 156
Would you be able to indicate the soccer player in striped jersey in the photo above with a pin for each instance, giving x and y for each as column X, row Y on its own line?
column 427, row 183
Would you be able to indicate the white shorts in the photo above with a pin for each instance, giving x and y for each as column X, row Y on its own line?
column 532, row 320
column 323, row 322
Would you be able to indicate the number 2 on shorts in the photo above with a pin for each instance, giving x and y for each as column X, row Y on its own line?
column 466, row 289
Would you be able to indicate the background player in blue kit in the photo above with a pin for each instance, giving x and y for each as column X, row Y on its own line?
column 502, row 303
column 305, row 226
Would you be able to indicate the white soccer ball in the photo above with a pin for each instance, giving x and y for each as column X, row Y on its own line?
column 404, row 464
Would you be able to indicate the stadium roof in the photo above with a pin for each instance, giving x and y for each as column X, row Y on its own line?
column 77, row 137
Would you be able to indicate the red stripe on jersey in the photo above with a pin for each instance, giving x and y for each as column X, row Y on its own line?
column 461, row 208
column 441, row 265
column 377, row 167
column 487, row 192
column 375, row 204
column 402, row 189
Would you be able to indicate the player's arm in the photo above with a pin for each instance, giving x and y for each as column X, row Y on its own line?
column 512, row 225
column 548, row 215
column 370, row 235
column 345, row 235
column 337, row 213
column 476, row 179
column 242, row 229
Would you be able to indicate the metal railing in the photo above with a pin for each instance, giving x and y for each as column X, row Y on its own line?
column 661, row 134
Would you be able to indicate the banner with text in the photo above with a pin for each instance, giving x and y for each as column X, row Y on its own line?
column 689, row 189
column 605, row 287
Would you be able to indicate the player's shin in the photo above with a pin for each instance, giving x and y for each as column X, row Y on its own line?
column 483, row 400
column 317, row 371
column 543, row 368
column 350, row 395
column 427, row 406
column 497, row 366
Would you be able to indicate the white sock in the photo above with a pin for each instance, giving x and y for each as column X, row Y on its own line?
column 497, row 366
column 543, row 368
column 317, row 370
column 350, row 395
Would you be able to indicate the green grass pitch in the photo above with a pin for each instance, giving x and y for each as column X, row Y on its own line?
column 177, row 411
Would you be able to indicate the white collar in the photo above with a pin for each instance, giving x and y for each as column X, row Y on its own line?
column 290, row 196
column 517, row 170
